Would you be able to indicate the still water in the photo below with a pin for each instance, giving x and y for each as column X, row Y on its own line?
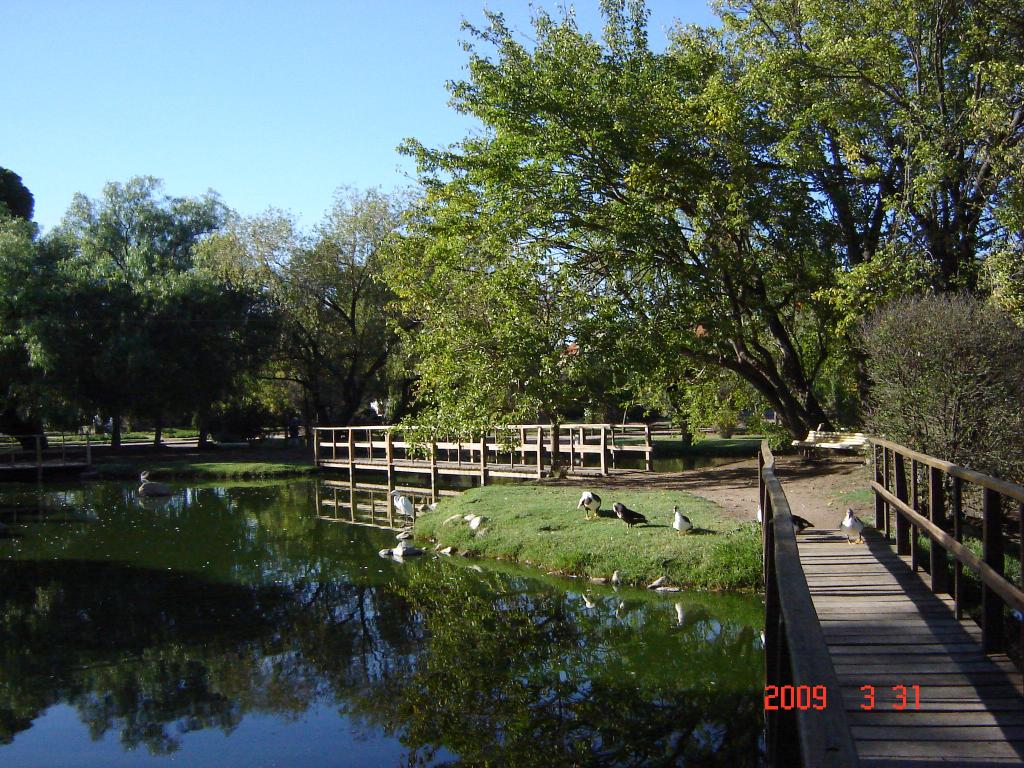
column 229, row 626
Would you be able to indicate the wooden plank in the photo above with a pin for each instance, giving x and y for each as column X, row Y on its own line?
column 885, row 628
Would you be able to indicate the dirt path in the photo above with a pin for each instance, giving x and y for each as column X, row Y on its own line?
column 819, row 490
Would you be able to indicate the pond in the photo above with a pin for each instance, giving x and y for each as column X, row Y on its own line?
column 230, row 626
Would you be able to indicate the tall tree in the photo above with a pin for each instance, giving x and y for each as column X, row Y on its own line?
column 339, row 320
column 649, row 178
column 907, row 118
column 126, row 323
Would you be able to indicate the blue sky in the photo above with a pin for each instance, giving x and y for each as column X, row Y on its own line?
column 271, row 104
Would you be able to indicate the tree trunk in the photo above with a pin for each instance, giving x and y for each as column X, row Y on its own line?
column 115, row 431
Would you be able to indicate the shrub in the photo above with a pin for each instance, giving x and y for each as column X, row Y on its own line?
column 947, row 379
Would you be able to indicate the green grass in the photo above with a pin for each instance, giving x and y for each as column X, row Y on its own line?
column 178, row 468
column 540, row 526
column 858, row 496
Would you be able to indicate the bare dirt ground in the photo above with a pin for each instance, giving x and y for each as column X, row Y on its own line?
column 818, row 490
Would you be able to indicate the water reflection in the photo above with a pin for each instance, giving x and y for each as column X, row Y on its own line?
column 156, row 622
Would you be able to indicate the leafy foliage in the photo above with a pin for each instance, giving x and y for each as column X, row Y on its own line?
column 947, row 376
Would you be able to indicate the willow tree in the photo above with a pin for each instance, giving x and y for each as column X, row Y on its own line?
column 648, row 179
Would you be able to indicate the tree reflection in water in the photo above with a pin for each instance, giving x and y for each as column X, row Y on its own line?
column 482, row 668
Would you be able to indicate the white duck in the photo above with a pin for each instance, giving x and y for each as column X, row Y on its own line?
column 680, row 521
column 853, row 526
column 591, row 502
column 151, row 487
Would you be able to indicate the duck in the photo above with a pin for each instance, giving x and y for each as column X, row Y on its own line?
column 591, row 502
column 152, row 488
column 853, row 526
column 680, row 521
column 628, row 516
column 801, row 523
column 403, row 505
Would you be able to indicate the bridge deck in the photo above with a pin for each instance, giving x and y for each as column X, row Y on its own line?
column 885, row 628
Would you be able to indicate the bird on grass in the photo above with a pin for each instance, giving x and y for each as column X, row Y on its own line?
column 801, row 523
column 853, row 526
column 680, row 521
column 591, row 502
column 616, row 579
column 403, row 504
column 628, row 516
column 151, row 487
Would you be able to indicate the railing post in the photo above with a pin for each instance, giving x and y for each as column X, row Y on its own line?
column 351, row 454
column 915, row 544
column 938, row 564
column 885, row 472
column 316, row 446
column 572, row 450
column 649, row 453
column 433, row 470
column 902, row 526
column 879, row 504
column 992, row 548
column 604, row 450
column 958, row 571
column 88, row 450
column 540, row 452
column 483, row 460
column 389, row 455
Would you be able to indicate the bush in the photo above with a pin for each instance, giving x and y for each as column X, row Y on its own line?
column 947, row 379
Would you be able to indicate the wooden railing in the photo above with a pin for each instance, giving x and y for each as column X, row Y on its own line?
column 917, row 495
column 794, row 645
column 519, row 450
column 39, row 450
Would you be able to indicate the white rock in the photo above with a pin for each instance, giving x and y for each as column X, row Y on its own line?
column 404, row 536
column 447, row 550
column 468, row 517
column 451, row 519
column 476, row 521
column 667, row 589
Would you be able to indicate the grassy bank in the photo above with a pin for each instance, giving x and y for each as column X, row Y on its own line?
column 168, row 469
column 540, row 526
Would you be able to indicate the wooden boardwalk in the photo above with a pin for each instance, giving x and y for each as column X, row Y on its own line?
column 885, row 628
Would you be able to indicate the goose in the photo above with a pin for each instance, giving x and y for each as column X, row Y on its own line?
column 616, row 579
column 628, row 516
column 680, row 521
column 152, row 488
column 853, row 526
column 403, row 505
column 801, row 523
column 591, row 502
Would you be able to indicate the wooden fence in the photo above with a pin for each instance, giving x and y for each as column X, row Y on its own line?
column 55, row 449
column 920, row 496
column 521, row 450
column 796, row 655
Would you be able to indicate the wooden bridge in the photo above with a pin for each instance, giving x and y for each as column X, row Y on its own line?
column 521, row 451
column 34, row 454
column 878, row 655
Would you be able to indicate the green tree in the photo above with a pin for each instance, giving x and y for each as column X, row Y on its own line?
column 649, row 179
column 122, row 319
column 15, row 195
column 905, row 118
column 338, row 330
